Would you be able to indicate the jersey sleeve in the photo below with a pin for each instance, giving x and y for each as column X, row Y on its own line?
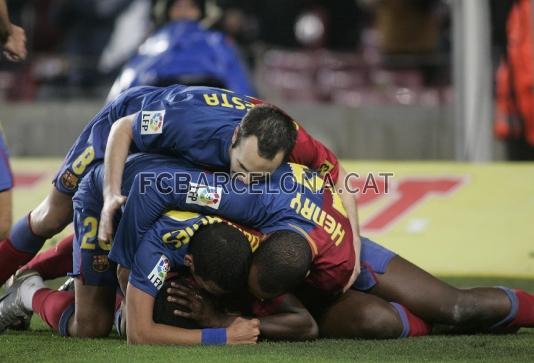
column 312, row 153
column 149, row 268
column 147, row 201
column 190, row 191
column 153, row 130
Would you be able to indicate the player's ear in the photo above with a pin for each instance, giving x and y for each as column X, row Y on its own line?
column 234, row 135
column 188, row 261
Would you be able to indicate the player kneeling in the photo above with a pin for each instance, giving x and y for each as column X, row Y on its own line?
column 93, row 314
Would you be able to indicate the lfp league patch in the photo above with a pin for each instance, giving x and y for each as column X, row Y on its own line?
column 159, row 272
column 204, row 195
column 152, row 122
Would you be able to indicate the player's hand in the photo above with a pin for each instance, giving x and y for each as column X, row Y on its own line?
column 357, row 266
column 105, row 227
column 243, row 331
column 202, row 309
column 15, row 45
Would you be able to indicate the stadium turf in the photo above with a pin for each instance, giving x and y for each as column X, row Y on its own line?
column 40, row 344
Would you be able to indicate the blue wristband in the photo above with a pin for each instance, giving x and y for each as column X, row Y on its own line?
column 214, row 336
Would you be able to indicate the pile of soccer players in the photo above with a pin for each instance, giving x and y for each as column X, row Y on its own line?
column 203, row 216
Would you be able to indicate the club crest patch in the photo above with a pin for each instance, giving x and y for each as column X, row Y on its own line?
column 152, row 122
column 204, row 195
column 69, row 180
column 159, row 272
column 100, row 263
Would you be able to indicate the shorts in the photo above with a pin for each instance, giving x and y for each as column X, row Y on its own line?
column 87, row 151
column 6, row 177
column 89, row 255
column 374, row 259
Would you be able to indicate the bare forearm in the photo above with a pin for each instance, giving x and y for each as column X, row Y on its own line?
column 163, row 334
column 117, row 150
column 5, row 23
column 290, row 326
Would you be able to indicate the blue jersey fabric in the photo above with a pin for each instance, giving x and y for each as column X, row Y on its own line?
column 6, row 177
column 181, row 50
column 163, row 248
column 193, row 123
column 267, row 209
column 90, row 256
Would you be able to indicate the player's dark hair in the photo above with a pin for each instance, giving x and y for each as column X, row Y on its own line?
column 221, row 254
column 282, row 262
column 274, row 129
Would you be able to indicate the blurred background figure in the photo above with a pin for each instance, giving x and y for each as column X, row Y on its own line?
column 13, row 41
column 396, row 71
column 514, row 113
column 183, row 51
column 12, row 37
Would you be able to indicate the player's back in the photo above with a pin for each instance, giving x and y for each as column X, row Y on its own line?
column 307, row 205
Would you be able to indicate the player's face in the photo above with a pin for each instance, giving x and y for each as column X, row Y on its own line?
column 248, row 164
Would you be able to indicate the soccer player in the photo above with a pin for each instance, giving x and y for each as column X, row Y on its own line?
column 213, row 128
column 391, row 297
column 293, row 199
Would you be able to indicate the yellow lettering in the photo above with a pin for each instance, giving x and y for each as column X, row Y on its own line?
column 87, row 240
column 296, row 202
column 318, row 216
column 338, row 234
column 330, row 224
column 225, row 102
column 238, row 102
column 307, row 210
column 81, row 162
column 211, row 99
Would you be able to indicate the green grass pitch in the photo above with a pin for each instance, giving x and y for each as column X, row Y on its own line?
column 40, row 344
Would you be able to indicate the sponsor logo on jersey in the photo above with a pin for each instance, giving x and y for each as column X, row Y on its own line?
column 204, row 195
column 69, row 180
column 159, row 272
column 325, row 167
column 152, row 122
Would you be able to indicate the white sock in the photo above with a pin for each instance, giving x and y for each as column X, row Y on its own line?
column 28, row 289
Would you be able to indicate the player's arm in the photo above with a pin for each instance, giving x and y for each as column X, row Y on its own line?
column 312, row 153
column 141, row 328
column 351, row 207
column 281, row 318
column 117, row 149
column 12, row 37
column 288, row 320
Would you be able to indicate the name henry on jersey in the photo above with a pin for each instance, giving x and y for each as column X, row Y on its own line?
column 312, row 212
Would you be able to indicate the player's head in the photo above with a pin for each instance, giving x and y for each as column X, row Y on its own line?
column 262, row 141
column 280, row 263
column 219, row 258
column 164, row 11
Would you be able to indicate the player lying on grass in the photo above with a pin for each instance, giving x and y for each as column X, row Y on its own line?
column 391, row 298
column 212, row 256
column 213, row 128
column 413, row 291
column 289, row 200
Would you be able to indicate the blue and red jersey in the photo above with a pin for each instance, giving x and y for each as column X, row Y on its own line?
column 294, row 198
column 193, row 123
